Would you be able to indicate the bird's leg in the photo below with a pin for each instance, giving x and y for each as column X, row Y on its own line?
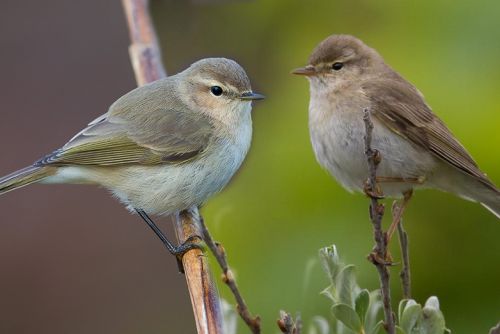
column 397, row 213
column 377, row 192
column 193, row 242
column 390, row 179
column 398, row 210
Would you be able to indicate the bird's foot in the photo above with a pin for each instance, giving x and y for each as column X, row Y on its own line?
column 376, row 258
column 193, row 242
column 397, row 214
column 411, row 180
column 373, row 193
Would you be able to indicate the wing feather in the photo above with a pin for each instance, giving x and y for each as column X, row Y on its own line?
column 147, row 126
column 402, row 108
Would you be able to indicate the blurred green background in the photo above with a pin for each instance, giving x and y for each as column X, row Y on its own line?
column 75, row 262
column 282, row 206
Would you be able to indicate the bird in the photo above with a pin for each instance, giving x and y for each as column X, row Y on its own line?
column 161, row 148
column 346, row 78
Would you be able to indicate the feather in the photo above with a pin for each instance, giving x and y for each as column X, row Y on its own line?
column 400, row 106
column 140, row 128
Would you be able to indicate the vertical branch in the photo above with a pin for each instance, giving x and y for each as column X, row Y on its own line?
column 405, row 271
column 202, row 290
column 146, row 61
column 379, row 254
column 144, row 50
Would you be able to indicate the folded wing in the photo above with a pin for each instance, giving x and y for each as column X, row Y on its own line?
column 140, row 128
column 402, row 108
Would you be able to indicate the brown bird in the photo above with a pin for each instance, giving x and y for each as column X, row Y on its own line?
column 418, row 151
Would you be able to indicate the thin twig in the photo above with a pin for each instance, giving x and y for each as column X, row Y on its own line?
column 404, row 274
column 146, row 61
column 379, row 254
column 253, row 322
column 289, row 326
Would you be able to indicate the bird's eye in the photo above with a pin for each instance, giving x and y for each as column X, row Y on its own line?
column 337, row 66
column 216, row 90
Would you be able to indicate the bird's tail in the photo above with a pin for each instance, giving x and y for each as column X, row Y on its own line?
column 492, row 202
column 486, row 194
column 469, row 187
column 23, row 177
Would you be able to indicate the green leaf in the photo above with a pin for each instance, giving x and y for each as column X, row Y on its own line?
column 330, row 293
column 432, row 321
column 374, row 310
column 411, row 314
column 319, row 325
column 399, row 330
column 331, row 261
column 432, row 302
column 361, row 304
column 410, row 302
column 377, row 327
column 401, row 307
column 346, row 283
column 345, row 314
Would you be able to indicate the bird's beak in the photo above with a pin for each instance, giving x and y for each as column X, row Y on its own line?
column 251, row 96
column 308, row 71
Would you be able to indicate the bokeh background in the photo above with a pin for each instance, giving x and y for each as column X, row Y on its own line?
column 72, row 260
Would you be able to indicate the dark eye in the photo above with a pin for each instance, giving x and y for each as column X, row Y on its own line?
column 216, row 90
column 337, row 66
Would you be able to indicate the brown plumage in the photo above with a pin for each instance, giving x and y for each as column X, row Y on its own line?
column 347, row 77
column 402, row 109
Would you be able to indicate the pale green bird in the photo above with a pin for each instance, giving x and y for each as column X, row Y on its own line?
column 163, row 147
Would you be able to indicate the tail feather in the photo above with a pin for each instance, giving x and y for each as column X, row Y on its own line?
column 493, row 203
column 488, row 195
column 471, row 188
column 23, row 177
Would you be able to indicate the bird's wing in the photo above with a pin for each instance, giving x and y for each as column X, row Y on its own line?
column 402, row 108
column 131, row 137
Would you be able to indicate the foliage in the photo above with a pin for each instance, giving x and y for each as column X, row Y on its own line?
column 356, row 310
column 359, row 311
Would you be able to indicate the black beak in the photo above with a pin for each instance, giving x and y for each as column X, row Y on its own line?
column 251, row 96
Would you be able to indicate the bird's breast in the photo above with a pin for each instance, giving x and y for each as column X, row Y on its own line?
column 337, row 133
column 167, row 188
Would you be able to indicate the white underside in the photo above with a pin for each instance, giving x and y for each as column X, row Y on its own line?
column 337, row 134
column 337, row 137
